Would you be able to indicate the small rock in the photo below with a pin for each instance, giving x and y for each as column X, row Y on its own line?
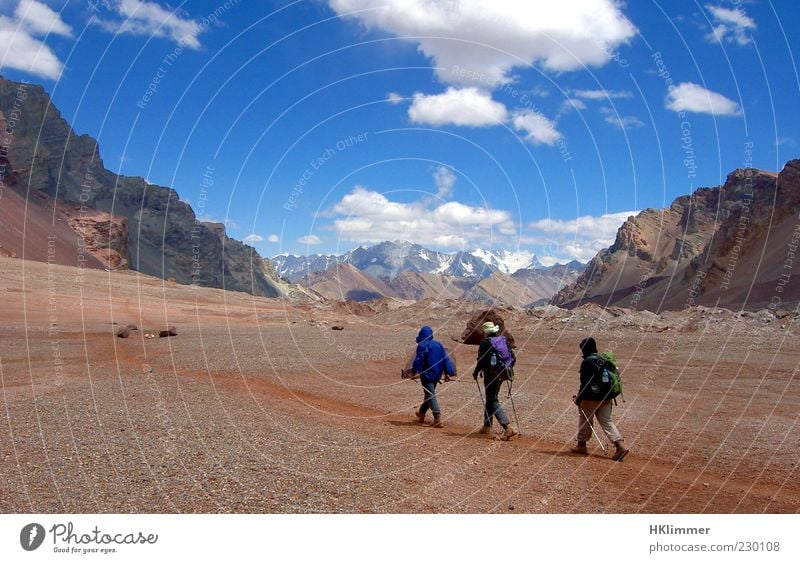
column 337, row 327
column 171, row 331
column 124, row 333
column 705, row 484
column 132, row 327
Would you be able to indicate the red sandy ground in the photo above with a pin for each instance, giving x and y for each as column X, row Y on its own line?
column 257, row 406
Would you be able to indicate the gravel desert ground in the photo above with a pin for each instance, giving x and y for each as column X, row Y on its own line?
column 258, row 406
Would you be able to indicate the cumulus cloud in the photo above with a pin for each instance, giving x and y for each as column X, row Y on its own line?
column 469, row 107
column 688, row 96
column 538, row 129
column 473, row 41
column 445, row 181
column 575, row 239
column 273, row 238
column 602, row 94
column 251, row 238
column 151, row 19
column 20, row 34
column 310, row 240
column 40, row 18
column 367, row 216
column 730, row 25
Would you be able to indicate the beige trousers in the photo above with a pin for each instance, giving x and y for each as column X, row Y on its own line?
column 602, row 411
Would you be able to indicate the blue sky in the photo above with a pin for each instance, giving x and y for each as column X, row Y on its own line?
column 317, row 126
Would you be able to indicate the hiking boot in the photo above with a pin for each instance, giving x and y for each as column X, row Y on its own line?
column 437, row 421
column 620, row 452
column 486, row 429
column 508, row 433
column 420, row 417
column 580, row 449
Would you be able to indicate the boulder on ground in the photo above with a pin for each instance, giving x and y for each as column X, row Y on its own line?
column 171, row 331
column 473, row 334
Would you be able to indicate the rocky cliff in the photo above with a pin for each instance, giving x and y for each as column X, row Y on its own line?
column 725, row 246
column 164, row 238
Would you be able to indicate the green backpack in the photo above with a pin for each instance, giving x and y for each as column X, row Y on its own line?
column 610, row 379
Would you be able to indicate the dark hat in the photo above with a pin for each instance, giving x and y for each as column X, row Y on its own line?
column 588, row 346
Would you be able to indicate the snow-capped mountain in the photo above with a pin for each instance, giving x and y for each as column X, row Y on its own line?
column 507, row 261
column 293, row 268
column 387, row 259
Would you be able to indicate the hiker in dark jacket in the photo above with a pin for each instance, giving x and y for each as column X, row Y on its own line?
column 430, row 363
column 491, row 383
column 591, row 403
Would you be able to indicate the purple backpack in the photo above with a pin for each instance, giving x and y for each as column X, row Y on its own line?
column 507, row 359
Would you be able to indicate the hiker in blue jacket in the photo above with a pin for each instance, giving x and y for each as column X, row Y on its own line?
column 491, row 382
column 430, row 363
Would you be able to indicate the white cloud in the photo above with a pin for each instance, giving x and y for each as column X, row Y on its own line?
column 310, row 240
column 575, row 239
column 23, row 50
column 394, row 98
column 474, row 41
column 602, row 94
column 445, row 181
column 571, row 104
column 273, row 238
column 366, row 216
column 469, row 107
column 688, row 96
column 537, row 128
column 251, row 238
column 40, row 19
column 624, row 121
column 730, row 25
column 151, row 19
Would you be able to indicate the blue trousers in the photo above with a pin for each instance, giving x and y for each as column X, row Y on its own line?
column 430, row 402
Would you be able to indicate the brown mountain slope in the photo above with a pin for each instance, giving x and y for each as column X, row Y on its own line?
column 346, row 282
column 417, row 286
column 31, row 229
column 500, row 289
column 725, row 246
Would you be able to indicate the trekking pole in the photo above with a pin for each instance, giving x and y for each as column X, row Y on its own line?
column 479, row 390
column 586, row 418
column 513, row 407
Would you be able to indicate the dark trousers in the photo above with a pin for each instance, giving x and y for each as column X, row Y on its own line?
column 430, row 402
column 492, row 407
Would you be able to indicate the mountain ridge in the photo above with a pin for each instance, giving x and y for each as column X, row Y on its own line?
column 728, row 246
column 164, row 236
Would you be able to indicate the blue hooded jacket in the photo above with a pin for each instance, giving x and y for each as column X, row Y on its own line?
column 431, row 360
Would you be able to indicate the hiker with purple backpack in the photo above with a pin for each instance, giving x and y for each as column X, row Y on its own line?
column 495, row 361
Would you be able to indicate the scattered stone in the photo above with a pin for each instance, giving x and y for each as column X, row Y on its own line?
column 124, row 333
column 337, row 327
column 132, row 327
column 171, row 331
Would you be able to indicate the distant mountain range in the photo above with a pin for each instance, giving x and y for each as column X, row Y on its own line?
column 388, row 259
column 404, row 270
